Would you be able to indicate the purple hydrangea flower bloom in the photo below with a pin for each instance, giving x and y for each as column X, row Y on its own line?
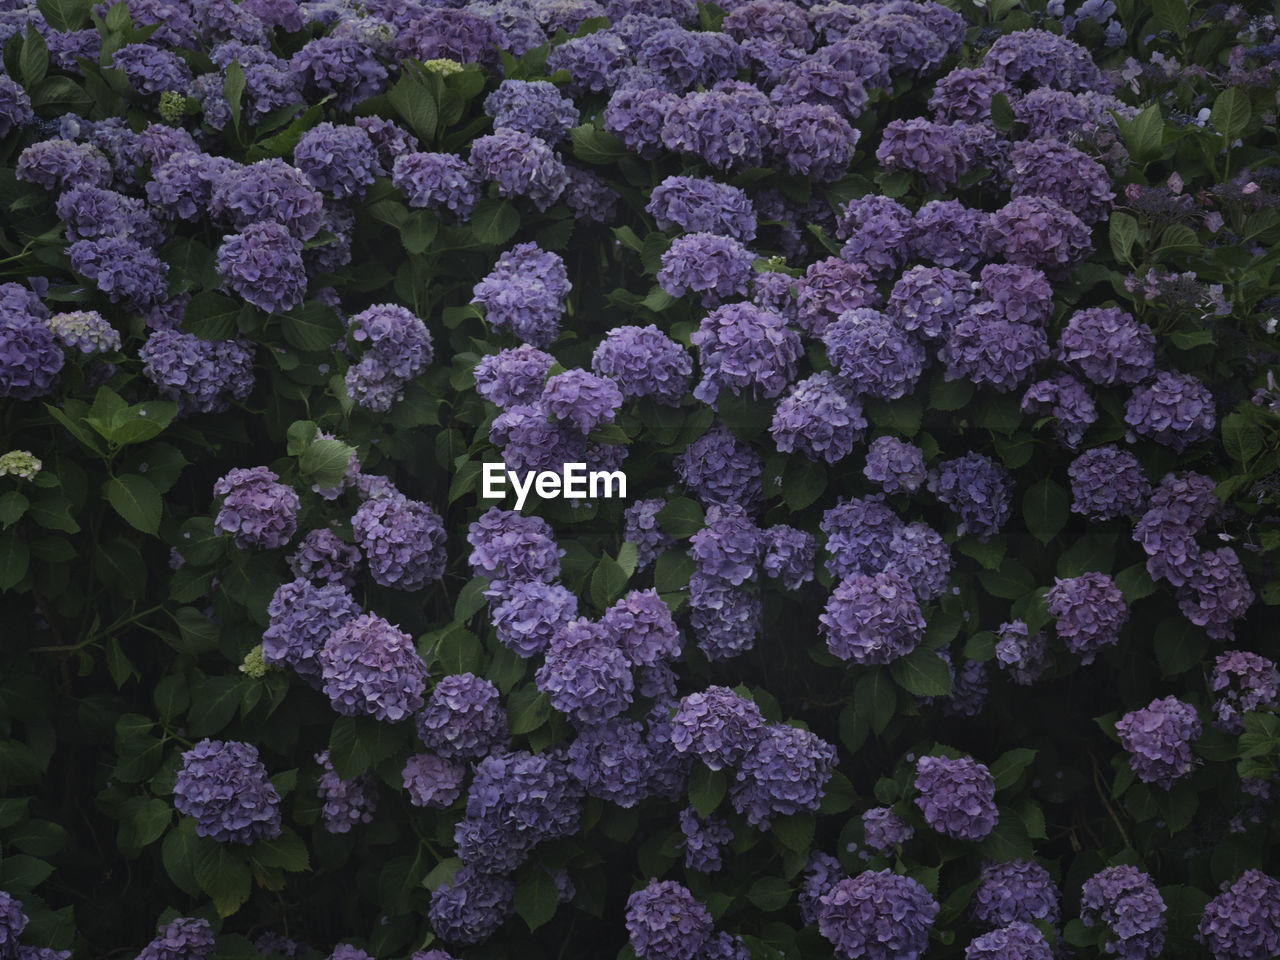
column 644, row 362
column 978, row 489
column 530, row 613
column 182, row 185
column 303, row 617
column 449, row 34
column 728, row 548
column 957, row 797
column 590, row 197
column 1019, row 891
column 463, row 718
column 820, row 418
column 508, row 546
column 185, row 938
column 877, row 232
column 59, row 164
column 403, row 541
column 256, row 509
column 716, row 725
column 398, row 349
column 15, row 106
column 704, row 841
column 123, row 269
column 341, row 160
column 920, row 555
column 371, row 668
column 533, row 107
column 718, row 467
column 1089, row 611
column 202, row 375
column 472, row 906
column 1051, row 168
column 644, row 628
column 1244, row 682
column 531, row 441
column 1068, row 402
column 665, row 922
column 783, row 773
column 1107, row 346
column 1158, row 738
column 789, row 555
column 391, row 140
column 1175, row 410
column 594, row 62
column 521, row 166
column 821, row 873
column 91, row 213
column 1180, row 508
column 438, row 181
column 877, row 915
column 949, row 235
column 1217, row 593
column 895, row 465
column 929, row 300
column 30, row 358
column 1107, row 482
column 636, row 115
column 224, row 787
column 1243, row 921
column 340, row 65
column 742, row 347
column 1022, row 656
column 697, row 205
column 1017, row 941
column 872, row 618
column 813, row 140
column 323, row 556
column 612, row 761
column 269, row 190
column 884, row 830
column 1037, row 58
column 937, row 152
column 1038, row 232
column 514, row 376
column 345, row 951
column 826, row 82
column 12, row 922
column 1022, row 293
column 986, row 347
column 85, row 330
column 729, row 127
column 1126, row 901
column 581, row 398
column 643, row 530
column 683, row 59
column 968, row 687
column 525, row 293
column 263, row 264
column 873, row 355
column 965, row 94
column 586, row 674
column 726, row 619
column 717, row 267
column 858, row 533
column 831, row 288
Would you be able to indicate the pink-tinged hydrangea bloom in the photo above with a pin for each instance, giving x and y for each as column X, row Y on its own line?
column 224, row 787
column 432, row 781
column 872, row 619
column 1158, row 738
column 957, row 797
column 877, row 915
column 371, row 668
column 256, row 509
column 1126, row 901
column 665, row 922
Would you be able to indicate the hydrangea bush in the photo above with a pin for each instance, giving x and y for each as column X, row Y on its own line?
column 936, row 342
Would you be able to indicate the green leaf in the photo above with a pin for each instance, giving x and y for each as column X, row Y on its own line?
column 950, row 394
column 1010, row 582
column 745, row 416
column 65, row 15
column 1001, row 112
column 415, row 100
column 136, row 499
column 142, row 422
column 903, row 416
column 672, row 571
column 1008, row 841
column 1135, row 583
column 212, row 316
column 233, row 90
column 596, row 146
column 224, row 876
column 357, row 743
column 794, row 832
column 458, row 650
column 874, row 698
column 418, row 230
column 471, row 600
column 325, row 462
column 494, row 222
column 628, row 557
column 1144, row 135
column 1231, row 113
column 22, row 874
column 1009, row 766
column 313, row 327
column 144, row 822
column 286, row 852
column 706, row 789
column 12, row 506
column 803, row 482
column 536, row 896
column 681, row 518
column 1241, row 437
column 527, row 709
column 214, row 702
column 1179, row 646
column 1124, row 233
column 923, row 673
column 179, row 853
column 1172, row 15
column 15, row 558
column 33, row 62
column 769, row 893
column 1045, row 508
column 607, row 582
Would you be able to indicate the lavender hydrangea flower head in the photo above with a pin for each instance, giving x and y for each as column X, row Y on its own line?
column 719, row 467
column 90, row 213
column 644, row 628
column 1180, row 508
column 371, row 668
column 1017, row 941
column 965, row 94
column 15, row 106
column 1022, row 656
column 529, row 613
column 612, row 762
column 716, row 725
column 531, row 441
column 594, row 62
column 224, row 787
column 820, row 418
column 1067, row 401
column 1022, row 293
column 30, row 358
column 636, row 115
column 345, row 951
column 586, row 674
column 642, row 529
column 704, row 841
column 783, row 773
column 1051, row 168
column 185, row 938
column 920, row 555
column 1125, row 900
column 1107, row 482
column 884, row 830
column 508, row 546
column 472, row 906
column 949, row 235
column 1018, row 891
column 665, row 922
column 525, row 292
column 1037, row 58
column 398, row 348
column 728, row 548
column 725, row 619
column 12, row 922
column 1243, row 921
column 269, row 190
column 1158, row 738
column 877, row 915
column 831, row 288
column 873, row 355
column 449, row 34
column 1089, row 611
column 935, row 151
column 1037, row 231
column 644, row 362
column 1216, row 593
column 202, row 375
column 928, row 300
column 437, row 181
column 957, row 797
column 728, row 127
column 582, row 399
column 513, row 376
column 717, row 267
column 789, row 555
column 821, row 873
column 987, row 348
column 322, row 555
column 742, row 347
column 814, row 140
column 978, row 489
column 59, row 164
column 533, row 107
column 1107, row 346
column 123, row 269
column 877, row 232
column 858, row 532
column 520, row 165
column 403, row 541
column 1244, row 682
column 85, row 330
column 590, row 197
column 1175, row 409
column 463, row 718
column 872, row 618
column 340, row 160
column 895, row 465
column 256, row 509
column 697, row 205
column 303, row 617
column 263, row 264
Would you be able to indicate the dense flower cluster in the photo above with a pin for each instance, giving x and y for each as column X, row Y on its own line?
column 1126, row 901
column 957, row 797
column 877, row 915
column 1158, row 738
column 223, row 786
